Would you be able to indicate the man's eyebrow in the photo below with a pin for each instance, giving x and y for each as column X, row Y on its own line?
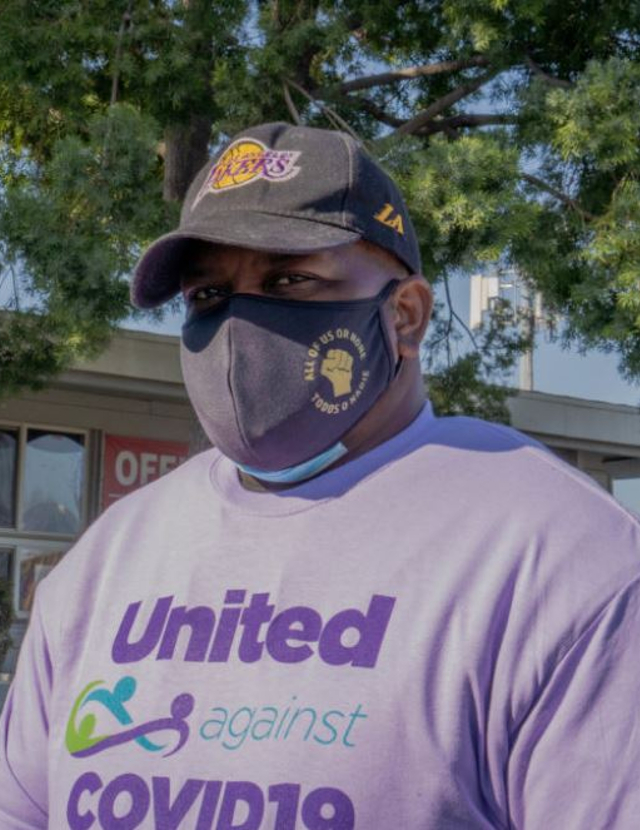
column 195, row 271
column 284, row 259
column 191, row 272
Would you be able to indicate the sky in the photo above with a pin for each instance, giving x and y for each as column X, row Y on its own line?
column 594, row 376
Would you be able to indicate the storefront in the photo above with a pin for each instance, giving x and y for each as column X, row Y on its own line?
column 68, row 452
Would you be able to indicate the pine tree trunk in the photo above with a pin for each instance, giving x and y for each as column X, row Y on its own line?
column 186, row 151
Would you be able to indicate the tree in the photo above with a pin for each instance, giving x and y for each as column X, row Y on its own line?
column 512, row 125
column 106, row 113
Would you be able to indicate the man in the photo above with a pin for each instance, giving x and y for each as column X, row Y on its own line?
column 351, row 613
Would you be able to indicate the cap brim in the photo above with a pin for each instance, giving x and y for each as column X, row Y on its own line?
column 157, row 275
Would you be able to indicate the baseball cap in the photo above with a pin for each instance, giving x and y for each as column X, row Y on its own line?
column 284, row 189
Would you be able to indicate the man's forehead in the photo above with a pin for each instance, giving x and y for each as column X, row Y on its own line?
column 206, row 257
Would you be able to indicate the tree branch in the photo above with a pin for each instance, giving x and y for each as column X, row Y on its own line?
column 185, row 152
column 455, row 314
column 548, row 79
column 331, row 114
column 465, row 120
column 290, row 105
column 421, row 120
column 125, row 23
column 560, row 196
column 385, row 78
column 377, row 112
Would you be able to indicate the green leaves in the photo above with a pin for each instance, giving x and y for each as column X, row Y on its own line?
column 598, row 120
column 514, row 137
column 75, row 227
column 468, row 190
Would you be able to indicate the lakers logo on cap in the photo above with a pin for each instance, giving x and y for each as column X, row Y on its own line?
column 245, row 161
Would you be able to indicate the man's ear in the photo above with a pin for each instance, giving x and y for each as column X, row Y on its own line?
column 412, row 304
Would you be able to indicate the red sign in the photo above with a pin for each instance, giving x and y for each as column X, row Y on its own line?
column 129, row 463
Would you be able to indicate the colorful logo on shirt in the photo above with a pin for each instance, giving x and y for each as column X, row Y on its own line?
column 81, row 739
column 339, row 356
column 245, row 161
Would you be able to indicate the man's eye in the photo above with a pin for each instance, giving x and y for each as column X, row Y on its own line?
column 206, row 292
column 286, row 280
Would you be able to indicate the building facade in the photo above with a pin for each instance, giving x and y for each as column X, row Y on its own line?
column 67, row 452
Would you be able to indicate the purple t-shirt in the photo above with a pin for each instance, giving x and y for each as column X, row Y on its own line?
column 440, row 634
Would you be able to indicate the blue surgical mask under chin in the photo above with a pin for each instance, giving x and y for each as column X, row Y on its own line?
column 298, row 472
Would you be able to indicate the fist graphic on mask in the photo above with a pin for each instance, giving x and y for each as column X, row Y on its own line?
column 337, row 367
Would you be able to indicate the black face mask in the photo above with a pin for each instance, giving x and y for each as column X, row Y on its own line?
column 276, row 383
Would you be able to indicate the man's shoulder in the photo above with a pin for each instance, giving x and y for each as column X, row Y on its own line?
column 495, row 466
column 465, row 446
column 477, row 434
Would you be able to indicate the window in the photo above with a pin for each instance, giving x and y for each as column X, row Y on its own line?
column 32, row 565
column 8, row 456
column 52, row 482
column 43, row 503
column 627, row 492
column 6, row 562
column 42, row 481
